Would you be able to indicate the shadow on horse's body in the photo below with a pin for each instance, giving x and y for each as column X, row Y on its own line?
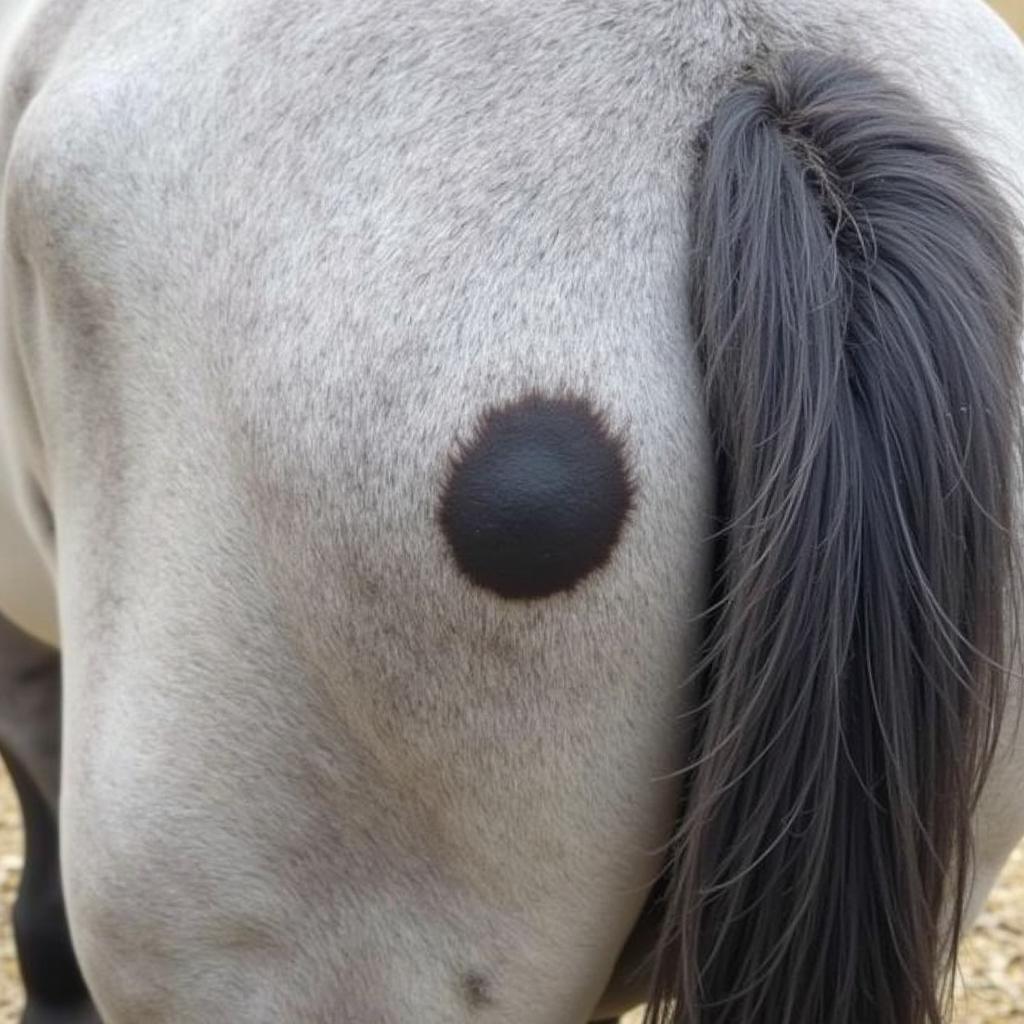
column 373, row 379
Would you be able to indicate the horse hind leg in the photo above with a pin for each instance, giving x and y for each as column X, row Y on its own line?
column 30, row 746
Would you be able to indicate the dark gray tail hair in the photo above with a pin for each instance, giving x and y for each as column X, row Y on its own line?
column 856, row 300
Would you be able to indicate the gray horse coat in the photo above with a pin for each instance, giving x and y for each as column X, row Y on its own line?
column 265, row 267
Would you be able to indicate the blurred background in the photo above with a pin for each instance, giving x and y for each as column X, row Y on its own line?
column 991, row 988
column 1012, row 11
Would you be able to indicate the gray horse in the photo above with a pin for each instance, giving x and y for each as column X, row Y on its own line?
column 525, row 494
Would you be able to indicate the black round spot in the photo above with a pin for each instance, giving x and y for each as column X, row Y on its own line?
column 536, row 501
column 477, row 990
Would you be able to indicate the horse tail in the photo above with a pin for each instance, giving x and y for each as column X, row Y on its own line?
column 856, row 301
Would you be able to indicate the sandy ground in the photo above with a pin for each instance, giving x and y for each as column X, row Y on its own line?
column 1012, row 11
column 10, row 872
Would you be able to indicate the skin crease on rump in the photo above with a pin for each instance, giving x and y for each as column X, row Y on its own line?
column 265, row 268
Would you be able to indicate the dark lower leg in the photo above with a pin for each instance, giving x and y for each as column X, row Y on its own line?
column 29, row 744
column 45, row 954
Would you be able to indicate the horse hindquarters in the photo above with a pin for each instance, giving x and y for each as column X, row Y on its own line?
column 303, row 750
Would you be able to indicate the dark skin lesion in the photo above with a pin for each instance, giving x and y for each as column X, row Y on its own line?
column 477, row 989
column 538, row 497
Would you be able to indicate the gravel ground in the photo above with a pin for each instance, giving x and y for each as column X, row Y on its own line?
column 10, row 872
column 993, row 960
